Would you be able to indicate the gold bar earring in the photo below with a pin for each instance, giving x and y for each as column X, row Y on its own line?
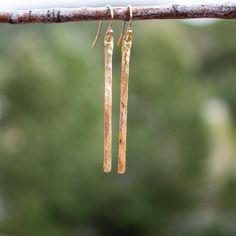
column 108, row 51
column 126, row 50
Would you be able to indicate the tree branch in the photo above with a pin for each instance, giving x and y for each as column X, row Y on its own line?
column 226, row 11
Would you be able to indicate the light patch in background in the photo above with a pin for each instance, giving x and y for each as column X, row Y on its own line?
column 200, row 22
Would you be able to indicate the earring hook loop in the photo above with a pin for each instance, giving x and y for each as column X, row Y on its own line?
column 101, row 24
column 129, row 7
column 112, row 15
column 130, row 15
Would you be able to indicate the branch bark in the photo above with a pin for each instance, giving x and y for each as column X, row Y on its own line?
column 60, row 15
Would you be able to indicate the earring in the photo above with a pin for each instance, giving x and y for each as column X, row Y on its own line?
column 108, row 51
column 126, row 50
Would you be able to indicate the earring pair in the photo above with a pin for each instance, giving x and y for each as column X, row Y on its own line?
column 108, row 52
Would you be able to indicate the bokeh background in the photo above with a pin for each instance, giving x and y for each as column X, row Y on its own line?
column 181, row 172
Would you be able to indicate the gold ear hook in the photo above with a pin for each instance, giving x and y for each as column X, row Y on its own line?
column 130, row 15
column 121, row 34
column 100, row 26
column 124, row 23
column 112, row 15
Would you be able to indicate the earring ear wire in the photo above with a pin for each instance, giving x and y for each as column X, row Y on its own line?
column 130, row 15
column 124, row 23
column 100, row 26
column 121, row 34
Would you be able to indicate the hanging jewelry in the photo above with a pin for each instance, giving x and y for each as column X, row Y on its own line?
column 108, row 51
column 126, row 50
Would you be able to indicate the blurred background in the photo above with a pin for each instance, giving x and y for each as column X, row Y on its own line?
column 181, row 172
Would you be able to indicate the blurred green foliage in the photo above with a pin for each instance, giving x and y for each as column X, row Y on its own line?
column 51, row 131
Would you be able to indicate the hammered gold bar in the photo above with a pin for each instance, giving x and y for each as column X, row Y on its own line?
column 108, row 50
column 126, row 49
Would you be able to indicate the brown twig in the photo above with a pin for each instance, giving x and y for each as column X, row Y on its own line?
column 223, row 11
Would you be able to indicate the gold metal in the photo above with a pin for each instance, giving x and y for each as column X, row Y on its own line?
column 123, row 25
column 101, row 24
column 108, row 50
column 121, row 34
column 126, row 50
column 98, row 34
